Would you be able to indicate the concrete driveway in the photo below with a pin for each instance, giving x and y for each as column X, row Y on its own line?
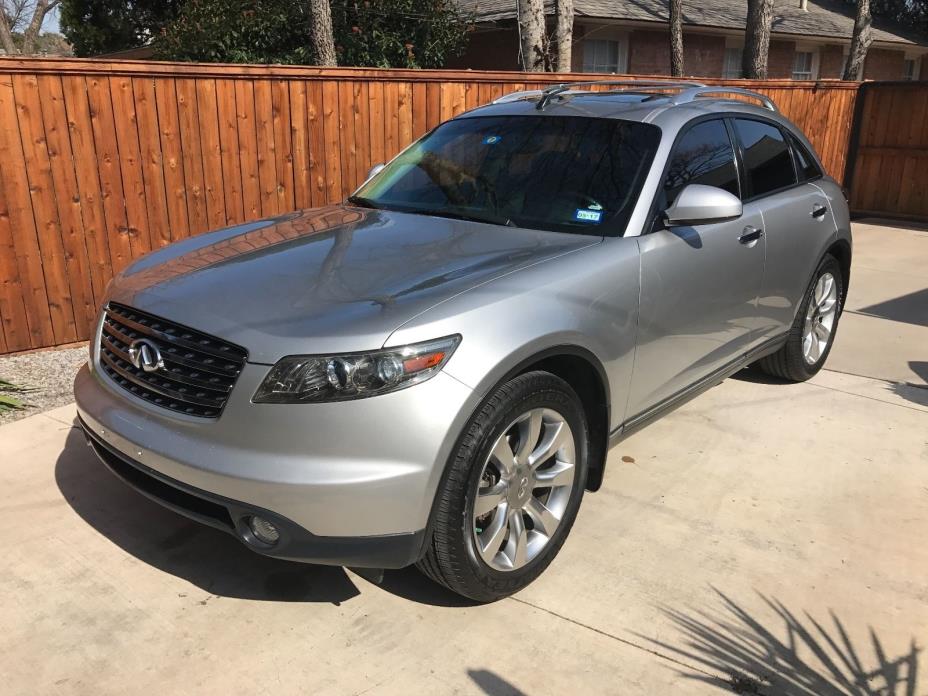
column 764, row 539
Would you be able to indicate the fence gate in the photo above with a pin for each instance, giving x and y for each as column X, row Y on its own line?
column 888, row 162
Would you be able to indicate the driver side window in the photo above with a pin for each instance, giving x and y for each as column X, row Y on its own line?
column 704, row 155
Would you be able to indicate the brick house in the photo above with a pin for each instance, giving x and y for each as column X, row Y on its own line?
column 809, row 41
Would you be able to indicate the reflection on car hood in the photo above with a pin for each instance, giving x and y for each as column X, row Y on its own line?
column 332, row 279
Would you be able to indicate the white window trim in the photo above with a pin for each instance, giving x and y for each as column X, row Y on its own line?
column 621, row 38
column 816, row 60
column 916, row 67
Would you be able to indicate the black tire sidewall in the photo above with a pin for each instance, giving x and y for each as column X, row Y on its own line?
column 523, row 393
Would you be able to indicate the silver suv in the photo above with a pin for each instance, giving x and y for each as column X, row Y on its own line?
column 434, row 371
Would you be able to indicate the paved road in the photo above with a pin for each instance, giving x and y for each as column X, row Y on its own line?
column 764, row 529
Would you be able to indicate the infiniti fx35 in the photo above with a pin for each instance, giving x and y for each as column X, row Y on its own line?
column 433, row 371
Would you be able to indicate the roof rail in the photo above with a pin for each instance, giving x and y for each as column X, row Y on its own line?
column 688, row 91
column 690, row 95
column 545, row 95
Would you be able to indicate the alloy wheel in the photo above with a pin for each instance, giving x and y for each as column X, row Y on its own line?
column 820, row 318
column 524, row 489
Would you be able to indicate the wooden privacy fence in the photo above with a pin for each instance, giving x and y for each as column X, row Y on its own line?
column 101, row 162
column 889, row 171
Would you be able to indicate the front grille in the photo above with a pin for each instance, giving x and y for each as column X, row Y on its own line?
column 199, row 370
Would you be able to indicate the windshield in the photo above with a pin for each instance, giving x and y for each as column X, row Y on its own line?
column 563, row 174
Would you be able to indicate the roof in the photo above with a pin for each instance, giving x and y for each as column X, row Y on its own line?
column 824, row 18
column 659, row 108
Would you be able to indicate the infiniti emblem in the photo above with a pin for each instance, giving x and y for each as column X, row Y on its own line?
column 145, row 355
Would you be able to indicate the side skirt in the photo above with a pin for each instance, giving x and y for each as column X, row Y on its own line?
column 671, row 403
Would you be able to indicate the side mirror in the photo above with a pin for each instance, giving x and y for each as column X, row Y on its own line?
column 697, row 204
column 374, row 171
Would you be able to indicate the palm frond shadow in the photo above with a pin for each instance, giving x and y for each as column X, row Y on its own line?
column 811, row 659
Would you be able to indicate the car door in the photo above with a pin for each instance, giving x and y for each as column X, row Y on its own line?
column 699, row 285
column 797, row 218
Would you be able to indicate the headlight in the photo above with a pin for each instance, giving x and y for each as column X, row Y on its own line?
column 316, row 378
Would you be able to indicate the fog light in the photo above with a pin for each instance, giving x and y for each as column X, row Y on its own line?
column 263, row 530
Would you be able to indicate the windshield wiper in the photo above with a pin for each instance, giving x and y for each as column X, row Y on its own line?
column 362, row 202
column 470, row 217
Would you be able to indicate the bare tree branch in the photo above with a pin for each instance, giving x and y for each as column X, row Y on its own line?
column 6, row 34
column 16, row 11
column 31, row 34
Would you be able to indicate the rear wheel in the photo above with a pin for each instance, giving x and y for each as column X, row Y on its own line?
column 511, row 491
column 813, row 331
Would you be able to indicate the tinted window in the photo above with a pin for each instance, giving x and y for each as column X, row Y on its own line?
column 805, row 163
column 704, row 155
column 767, row 161
column 565, row 174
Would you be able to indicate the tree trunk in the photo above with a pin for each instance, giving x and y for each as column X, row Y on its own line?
column 322, row 45
column 565, row 34
column 676, row 38
column 6, row 36
column 860, row 42
column 532, row 33
column 757, row 39
column 31, row 34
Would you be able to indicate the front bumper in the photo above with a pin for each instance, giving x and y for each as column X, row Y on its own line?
column 348, row 483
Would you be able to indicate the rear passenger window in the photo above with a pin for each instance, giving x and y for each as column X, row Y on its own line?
column 805, row 162
column 704, row 155
column 767, row 161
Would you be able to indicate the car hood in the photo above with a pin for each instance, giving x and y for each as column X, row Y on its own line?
column 335, row 279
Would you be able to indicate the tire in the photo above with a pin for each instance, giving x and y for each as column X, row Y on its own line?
column 456, row 556
column 791, row 362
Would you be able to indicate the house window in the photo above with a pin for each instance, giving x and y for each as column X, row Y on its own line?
column 732, row 67
column 604, row 56
column 803, row 66
column 910, row 69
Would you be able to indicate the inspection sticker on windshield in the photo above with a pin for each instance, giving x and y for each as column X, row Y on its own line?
column 492, row 139
column 588, row 215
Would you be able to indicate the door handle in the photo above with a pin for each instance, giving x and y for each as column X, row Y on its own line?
column 750, row 234
column 818, row 210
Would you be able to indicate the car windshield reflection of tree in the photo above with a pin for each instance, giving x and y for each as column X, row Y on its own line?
column 565, row 174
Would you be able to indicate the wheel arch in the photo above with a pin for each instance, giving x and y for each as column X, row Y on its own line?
column 584, row 372
column 841, row 250
column 577, row 366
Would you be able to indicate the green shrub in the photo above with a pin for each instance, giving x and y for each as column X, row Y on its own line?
column 398, row 34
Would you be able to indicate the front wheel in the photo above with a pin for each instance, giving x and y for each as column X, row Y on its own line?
column 511, row 491
column 813, row 331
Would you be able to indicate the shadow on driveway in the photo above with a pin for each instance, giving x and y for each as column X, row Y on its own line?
column 799, row 657
column 492, row 684
column 208, row 558
column 915, row 393
column 909, row 309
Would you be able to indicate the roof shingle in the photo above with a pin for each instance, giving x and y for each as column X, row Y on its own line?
column 824, row 18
